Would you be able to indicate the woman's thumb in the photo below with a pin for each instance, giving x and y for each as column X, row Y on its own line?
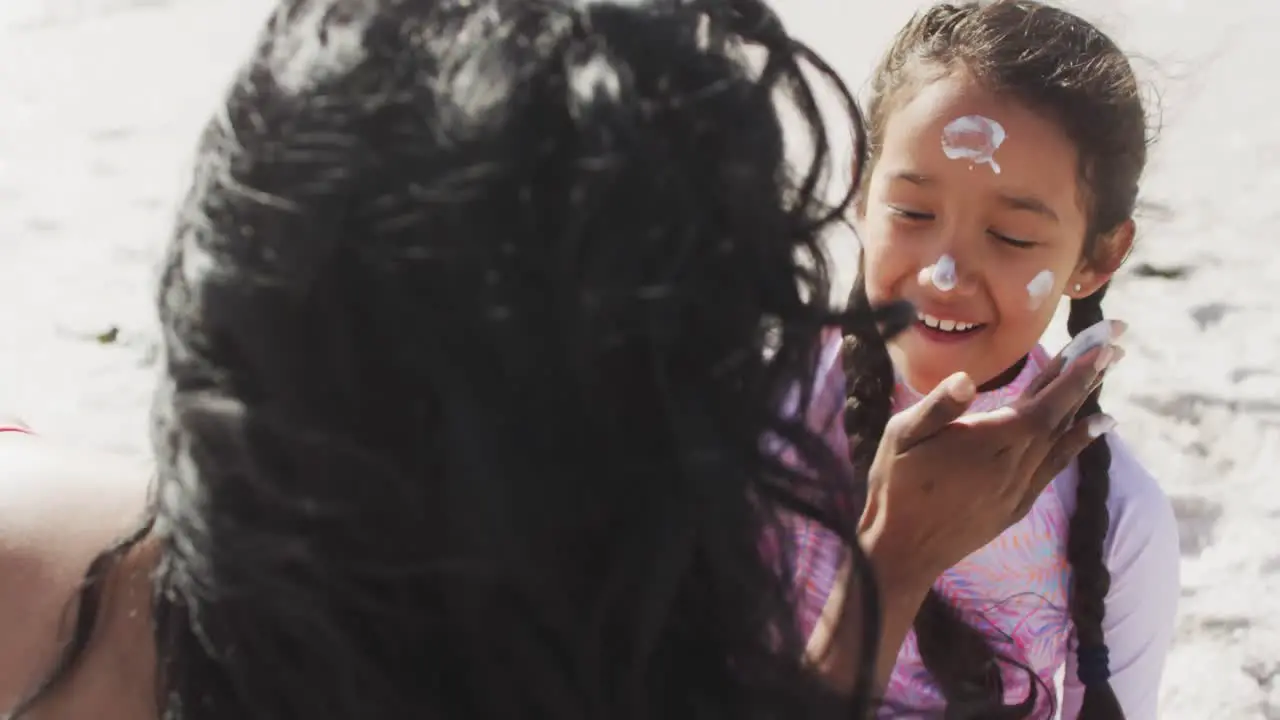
column 946, row 403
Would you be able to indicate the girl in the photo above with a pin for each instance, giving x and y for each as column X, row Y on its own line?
column 1007, row 142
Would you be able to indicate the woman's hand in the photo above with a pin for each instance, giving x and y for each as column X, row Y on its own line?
column 942, row 486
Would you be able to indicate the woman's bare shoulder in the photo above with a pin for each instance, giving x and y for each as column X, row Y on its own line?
column 59, row 508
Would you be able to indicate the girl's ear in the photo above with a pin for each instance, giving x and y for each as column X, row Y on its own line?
column 1095, row 271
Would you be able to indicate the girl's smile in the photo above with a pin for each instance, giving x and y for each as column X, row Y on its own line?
column 944, row 327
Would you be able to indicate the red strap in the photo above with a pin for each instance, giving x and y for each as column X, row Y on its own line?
column 15, row 428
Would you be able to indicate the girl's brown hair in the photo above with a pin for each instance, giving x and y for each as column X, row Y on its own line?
column 1063, row 67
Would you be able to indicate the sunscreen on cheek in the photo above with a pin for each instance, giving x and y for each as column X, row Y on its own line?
column 1039, row 288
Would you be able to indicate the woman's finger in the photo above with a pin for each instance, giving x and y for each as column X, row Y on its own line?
column 1103, row 333
column 1097, row 383
column 938, row 409
column 1080, row 435
column 1046, row 376
column 1044, row 417
column 1100, row 334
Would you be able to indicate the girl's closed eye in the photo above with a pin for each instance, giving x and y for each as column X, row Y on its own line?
column 917, row 216
column 1012, row 241
column 912, row 215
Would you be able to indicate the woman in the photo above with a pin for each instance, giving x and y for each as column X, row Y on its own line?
column 476, row 316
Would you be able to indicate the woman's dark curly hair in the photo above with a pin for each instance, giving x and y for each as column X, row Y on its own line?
column 476, row 316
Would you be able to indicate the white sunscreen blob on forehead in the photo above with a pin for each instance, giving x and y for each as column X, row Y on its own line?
column 974, row 138
column 1040, row 287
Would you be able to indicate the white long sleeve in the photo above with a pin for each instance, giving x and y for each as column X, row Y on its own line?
column 1141, row 552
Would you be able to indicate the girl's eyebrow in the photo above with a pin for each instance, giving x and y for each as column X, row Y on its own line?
column 1029, row 203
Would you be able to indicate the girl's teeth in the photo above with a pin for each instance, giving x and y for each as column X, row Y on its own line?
column 945, row 325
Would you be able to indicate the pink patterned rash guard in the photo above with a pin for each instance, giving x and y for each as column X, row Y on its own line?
column 1017, row 587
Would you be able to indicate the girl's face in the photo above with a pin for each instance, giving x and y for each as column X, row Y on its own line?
column 983, row 254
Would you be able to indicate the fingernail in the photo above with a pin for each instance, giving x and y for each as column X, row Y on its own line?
column 1115, row 354
column 1100, row 425
column 963, row 389
column 1105, row 358
column 1102, row 333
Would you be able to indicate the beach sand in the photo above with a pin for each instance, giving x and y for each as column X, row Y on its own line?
column 101, row 101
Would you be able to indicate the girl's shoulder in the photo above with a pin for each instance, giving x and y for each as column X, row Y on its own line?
column 1131, row 485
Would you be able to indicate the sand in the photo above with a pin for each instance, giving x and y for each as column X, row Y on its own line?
column 101, row 100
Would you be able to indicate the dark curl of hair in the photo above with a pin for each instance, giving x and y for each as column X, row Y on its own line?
column 1062, row 66
column 475, row 317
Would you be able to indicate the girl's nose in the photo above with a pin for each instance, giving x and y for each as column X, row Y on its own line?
column 946, row 276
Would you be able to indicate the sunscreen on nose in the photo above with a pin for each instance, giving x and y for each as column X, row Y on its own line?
column 943, row 273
